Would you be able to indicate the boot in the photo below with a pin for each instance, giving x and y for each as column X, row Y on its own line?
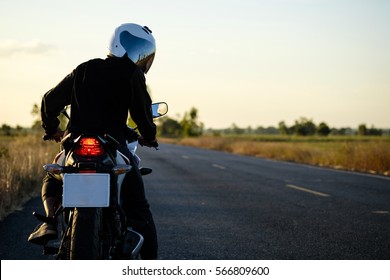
column 45, row 232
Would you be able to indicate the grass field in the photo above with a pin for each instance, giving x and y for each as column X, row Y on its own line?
column 21, row 172
column 355, row 153
column 22, row 157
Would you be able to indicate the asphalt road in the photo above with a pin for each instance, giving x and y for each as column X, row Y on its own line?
column 214, row 205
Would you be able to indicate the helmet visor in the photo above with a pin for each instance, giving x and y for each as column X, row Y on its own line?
column 139, row 50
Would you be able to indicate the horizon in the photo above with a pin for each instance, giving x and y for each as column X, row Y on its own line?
column 206, row 128
column 252, row 63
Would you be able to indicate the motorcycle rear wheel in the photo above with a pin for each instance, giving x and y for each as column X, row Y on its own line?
column 85, row 241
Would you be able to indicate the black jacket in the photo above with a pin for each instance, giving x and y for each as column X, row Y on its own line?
column 101, row 92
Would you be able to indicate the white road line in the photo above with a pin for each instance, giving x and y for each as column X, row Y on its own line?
column 380, row 212
column 307, row 190
column 185, row 157
column 219, row 166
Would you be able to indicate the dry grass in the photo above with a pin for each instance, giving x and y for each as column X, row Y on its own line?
column 21, row 158
column 368, row 154
column 21, row 173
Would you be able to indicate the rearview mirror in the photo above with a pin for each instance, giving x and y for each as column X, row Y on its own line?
column 159, row 109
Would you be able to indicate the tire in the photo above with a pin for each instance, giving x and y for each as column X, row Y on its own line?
column 85, row 241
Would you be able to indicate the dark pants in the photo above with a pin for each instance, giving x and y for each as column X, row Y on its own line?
column 134, row 204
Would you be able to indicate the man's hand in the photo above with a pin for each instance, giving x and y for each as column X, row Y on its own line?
column 150, row 144
column 57, row 136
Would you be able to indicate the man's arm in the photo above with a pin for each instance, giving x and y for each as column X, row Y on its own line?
column 53, row 102
column 141, row 108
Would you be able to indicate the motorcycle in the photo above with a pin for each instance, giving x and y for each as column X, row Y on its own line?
column 93, row 223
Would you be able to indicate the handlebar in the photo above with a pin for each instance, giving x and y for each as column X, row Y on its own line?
column 149, row 144
column 154, row 144
column 61, row 139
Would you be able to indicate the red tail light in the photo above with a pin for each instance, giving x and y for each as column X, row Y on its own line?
column 89, row 147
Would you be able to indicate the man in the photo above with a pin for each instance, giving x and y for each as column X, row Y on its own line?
column 101, row 93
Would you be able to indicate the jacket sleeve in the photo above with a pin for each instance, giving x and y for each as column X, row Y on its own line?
column 53, row 102
column 141, row 107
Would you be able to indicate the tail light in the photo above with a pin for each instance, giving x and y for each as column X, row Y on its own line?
column 89, row 147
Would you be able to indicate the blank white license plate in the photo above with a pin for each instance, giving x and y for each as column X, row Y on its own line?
column 86, row 190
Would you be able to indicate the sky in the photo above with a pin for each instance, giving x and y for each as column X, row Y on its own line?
column 243, row 62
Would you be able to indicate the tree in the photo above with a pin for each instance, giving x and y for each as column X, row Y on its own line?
column 362, row 130
column 340, row 131
column 304, row 127
column 35, row 112
column 169, row 128
column 234, row 129
column 269, row 130
column 283, row 129
column 190, row 123
column 6, row 130
column 323, row 129
column 374, row 131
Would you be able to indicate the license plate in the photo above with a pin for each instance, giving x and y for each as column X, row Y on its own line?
column 86, row 190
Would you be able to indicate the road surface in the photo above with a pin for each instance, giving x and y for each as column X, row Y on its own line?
column 215, row 205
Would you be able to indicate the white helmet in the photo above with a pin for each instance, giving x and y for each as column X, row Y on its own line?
column 136, row 41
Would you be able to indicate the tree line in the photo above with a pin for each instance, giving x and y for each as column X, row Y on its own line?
column 190, row 126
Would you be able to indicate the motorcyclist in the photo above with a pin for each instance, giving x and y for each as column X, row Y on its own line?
column 101, row 93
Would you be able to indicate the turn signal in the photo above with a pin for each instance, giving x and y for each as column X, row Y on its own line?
column 53, row 168
column 121, row 169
